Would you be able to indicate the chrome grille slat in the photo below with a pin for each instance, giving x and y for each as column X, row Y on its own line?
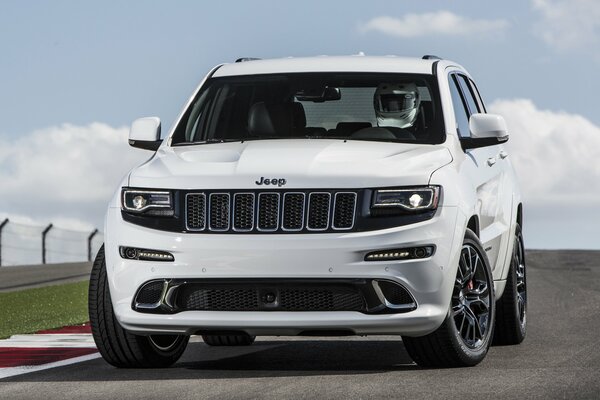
column 270, row 211
column 219, row 212
column 318, row 211
column 344, row 210
column 195, row 211
column 293, row 211
column 243, row 212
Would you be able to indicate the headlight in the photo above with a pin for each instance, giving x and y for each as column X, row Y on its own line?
column 409, row 199
column 153, row 202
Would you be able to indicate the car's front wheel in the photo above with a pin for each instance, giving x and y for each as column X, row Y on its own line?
column 464, row 337
column 118, row 346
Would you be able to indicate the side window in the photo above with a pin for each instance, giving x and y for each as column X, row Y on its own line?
column 478, row 97
column 468, row 94
column 460, row 111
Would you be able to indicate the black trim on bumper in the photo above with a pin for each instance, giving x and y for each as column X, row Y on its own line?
column 368, row 296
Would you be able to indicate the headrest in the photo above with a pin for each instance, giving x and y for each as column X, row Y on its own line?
column 270, row 119
column 298, row 114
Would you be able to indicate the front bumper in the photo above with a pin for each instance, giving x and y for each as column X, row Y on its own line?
column 310, row 256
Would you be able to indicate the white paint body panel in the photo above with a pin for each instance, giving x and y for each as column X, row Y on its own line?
column 145, row 129
column 487, row 125
column 386, row 64
column 317, row 163
column 469, row 189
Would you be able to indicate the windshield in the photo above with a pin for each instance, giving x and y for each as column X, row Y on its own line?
column 368, row 106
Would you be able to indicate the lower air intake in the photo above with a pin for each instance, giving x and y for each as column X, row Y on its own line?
column 150, row 293
column 270, row 298
column 367, row 296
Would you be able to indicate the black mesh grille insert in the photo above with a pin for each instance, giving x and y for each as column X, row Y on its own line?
column 293, row 211
column 219, row 211
column 268, row 211
column 394, row 293
column 243, row 211
column 207, row 299
column 150, row 293
column 343, row 212
column 318, row 211
column 303, row 297
column 339, row 299
column 196, row 211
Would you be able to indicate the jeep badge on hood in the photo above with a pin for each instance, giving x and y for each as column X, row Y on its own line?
column 273, row 181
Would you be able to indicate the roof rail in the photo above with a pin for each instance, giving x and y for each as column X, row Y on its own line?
column 244, row 59
column 431, row 57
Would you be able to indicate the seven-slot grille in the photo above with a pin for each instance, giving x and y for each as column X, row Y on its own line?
column 315, row 211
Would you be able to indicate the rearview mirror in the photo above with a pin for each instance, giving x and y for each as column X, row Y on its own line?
column 145, row 133
column 486, row 130
column 319, row 94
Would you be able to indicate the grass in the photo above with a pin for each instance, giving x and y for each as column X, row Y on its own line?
column 31, row 310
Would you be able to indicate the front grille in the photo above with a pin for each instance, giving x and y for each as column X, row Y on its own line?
column 270, row 211
column 286, row 298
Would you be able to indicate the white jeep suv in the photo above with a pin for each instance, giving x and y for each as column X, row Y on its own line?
column 317, row 196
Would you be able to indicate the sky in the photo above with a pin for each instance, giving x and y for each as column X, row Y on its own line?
column 74, row 75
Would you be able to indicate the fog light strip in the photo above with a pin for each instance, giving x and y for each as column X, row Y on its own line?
column 132, row 253
column 401, row 254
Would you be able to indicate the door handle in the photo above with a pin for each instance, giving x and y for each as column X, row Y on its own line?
column 503, row 154
column 491, row 161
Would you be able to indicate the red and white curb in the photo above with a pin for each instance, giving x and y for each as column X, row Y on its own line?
column 21, row 354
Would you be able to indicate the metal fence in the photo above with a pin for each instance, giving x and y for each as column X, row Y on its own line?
column 22, row 244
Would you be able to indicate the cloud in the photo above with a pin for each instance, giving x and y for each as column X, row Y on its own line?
column 64, row 174
column 556, row 155
column 430, row 24
column 568, row 24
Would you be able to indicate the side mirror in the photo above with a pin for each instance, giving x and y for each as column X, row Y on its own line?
column 486, row 130
column 145, row 133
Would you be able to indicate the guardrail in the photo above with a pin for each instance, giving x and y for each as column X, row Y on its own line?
column 23, row 244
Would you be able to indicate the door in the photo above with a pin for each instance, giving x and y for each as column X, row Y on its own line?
column 484, row 170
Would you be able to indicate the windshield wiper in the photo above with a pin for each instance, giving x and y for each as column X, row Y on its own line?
column 247, row 139
column 208, row 141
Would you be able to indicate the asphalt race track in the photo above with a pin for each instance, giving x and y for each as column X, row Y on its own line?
column 32, row 276
column 560, row 358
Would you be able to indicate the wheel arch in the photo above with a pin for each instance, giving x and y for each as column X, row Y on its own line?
column 473, row 224
column 520, row 215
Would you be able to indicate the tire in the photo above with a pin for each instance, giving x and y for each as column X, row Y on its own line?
column 511, row 308
column 118, row 346
column 455, row 344
column 242, row 339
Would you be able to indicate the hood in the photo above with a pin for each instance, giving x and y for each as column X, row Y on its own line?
column 303, row 163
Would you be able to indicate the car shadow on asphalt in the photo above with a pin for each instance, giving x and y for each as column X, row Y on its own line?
column 262, row 359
